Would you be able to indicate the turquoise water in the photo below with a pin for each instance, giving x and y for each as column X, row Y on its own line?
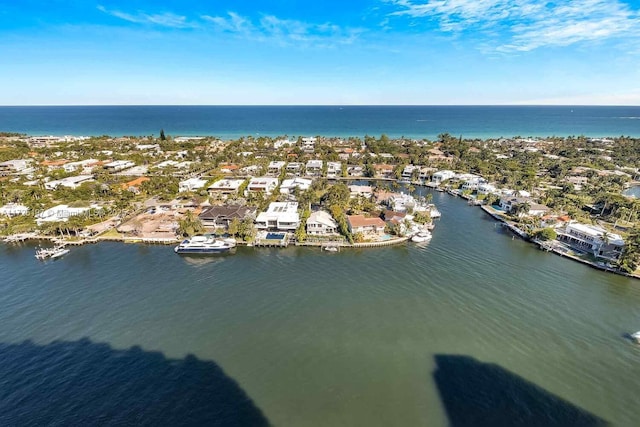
column 395, row 121
column 473, row 329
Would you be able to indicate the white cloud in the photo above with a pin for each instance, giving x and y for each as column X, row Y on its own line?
column 162, row 19
column 284, row 31
column 525, row 25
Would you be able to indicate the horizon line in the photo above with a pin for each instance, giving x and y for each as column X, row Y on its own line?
column 318, row 105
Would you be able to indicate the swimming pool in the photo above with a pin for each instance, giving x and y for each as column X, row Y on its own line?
column 275, row 236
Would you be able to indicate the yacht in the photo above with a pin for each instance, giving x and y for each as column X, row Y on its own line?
column 636, row 337
column 53, row 253
column 205, row 245
column 423, row 236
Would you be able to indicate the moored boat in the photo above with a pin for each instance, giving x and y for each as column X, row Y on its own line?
column 53, row 253
column 205, row 245
column 636, row 337
column 423, row 236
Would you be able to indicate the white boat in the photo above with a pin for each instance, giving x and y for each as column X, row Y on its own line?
column 205, row 245
column 53, row 253
column 331, row 248
column 434, row 212
column 423, row 236
column 636, row 337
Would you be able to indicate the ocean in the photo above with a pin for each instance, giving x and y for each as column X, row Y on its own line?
column 229, row 122
column 473, row 328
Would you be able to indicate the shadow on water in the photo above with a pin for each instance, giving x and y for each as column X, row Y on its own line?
column 483, row 394
column 85, row 383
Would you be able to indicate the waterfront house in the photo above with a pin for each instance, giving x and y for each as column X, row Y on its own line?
column 425, row 173
column 222, row 216
column 263, row 184
column 69, row 182
column 383, row 170
column 282, row 216
column 314, row 167
column 592, row 239
column 13, row 209
column 365, row 225
column 361, row 190
column 321, row 223
column 355, row 171
column 441, row 176
column 225, row 187
column 401, row 202
column 334, row 169
column 288, row 185
column 408, row 172
column 61, row 213
column 486, row 188
column 275, row 168
column 535, row 209
column 191, row 184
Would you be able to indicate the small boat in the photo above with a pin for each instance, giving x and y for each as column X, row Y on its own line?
column 331, row 248
column 434, row 212
column 636, row 337
column 423, row 236
column 53, row 253
column 205, row 245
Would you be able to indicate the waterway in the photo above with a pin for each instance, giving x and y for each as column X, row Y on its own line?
column 472, row 328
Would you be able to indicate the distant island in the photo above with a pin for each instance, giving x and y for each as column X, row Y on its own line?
column 570, row 195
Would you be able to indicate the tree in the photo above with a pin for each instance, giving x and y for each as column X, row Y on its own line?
column 190, row 225
column 162, row 136
column 546, row 234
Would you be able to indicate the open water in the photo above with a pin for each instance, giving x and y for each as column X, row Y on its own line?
column 473, row 328
column 343, row 121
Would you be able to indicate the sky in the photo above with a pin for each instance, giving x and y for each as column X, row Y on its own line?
column 348, row 52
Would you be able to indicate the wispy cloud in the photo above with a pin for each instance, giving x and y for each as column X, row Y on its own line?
column 525, row 25
column 284, row 31
column 165, row 19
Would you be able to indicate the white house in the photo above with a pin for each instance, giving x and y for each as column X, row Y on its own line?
column 361, row 190
column 191, row 184
column 85, row 165
column 69, row 182
column 535, row 209
column 593, row 239
column 294, row 168
column 407, row 172
column 401, row 202
column 355, row 171
column 263, row 184
column 473, row 183
column 61, row 213
column 283, row 143
column 334, row 169
column 13, row 209
column 288, row 185
column 279, row 216
column 225, row 186
column 16, row 166
column 118, row 165
column 486, row 188
column 320, row 223
column 440, row 176
column 275, row 167
column 314, row 167
column 308, row 144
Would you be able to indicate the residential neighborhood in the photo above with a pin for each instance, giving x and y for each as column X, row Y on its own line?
column 567, row 194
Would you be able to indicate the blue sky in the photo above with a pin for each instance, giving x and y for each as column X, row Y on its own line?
column 217, row 52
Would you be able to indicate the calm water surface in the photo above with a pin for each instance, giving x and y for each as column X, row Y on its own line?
column 410, row 335
column 344, row 121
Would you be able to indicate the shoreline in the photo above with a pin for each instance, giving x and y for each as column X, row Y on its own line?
column 391, row 242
